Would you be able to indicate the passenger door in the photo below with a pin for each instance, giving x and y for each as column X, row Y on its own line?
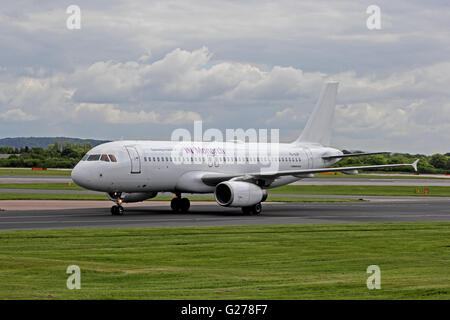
column 135, row 159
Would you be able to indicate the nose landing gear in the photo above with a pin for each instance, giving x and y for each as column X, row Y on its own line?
column 117, row 210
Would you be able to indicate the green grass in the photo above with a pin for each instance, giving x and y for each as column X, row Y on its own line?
column 290, row 189
column 370, row 176
column 362, row 190
column 45, row 196
column 251, row 262
column 41, row 186
column 29, row 172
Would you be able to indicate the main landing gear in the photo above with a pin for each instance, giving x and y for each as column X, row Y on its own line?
column 117, row 210
column 253, row 210
column 179, row 204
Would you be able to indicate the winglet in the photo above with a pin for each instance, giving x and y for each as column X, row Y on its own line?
column 414, row 164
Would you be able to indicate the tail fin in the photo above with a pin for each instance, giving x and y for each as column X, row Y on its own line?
column 320, row 123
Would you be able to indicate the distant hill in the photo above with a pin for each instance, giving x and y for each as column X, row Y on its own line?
column 43, row 142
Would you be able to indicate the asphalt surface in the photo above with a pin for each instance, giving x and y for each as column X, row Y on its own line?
column 42, row 214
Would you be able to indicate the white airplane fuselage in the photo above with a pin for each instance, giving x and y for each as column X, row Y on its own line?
column 238, row 173
column 150, row 166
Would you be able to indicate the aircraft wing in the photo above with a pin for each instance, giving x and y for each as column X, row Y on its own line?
column 268, row 177
column 353, row 155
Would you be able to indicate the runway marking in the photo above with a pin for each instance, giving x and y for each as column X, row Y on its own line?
column 134, row 220
column 220, row 219
column 149, row 214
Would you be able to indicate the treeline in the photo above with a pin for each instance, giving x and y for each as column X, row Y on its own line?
column 67, row 155
column 436, row 163
column 57, row 155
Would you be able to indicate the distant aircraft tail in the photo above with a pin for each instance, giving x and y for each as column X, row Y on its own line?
column 320, row 123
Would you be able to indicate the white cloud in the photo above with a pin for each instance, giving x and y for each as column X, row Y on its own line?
column 111, row 114
column 16, row 115
column 184, row 86
column 238, row 64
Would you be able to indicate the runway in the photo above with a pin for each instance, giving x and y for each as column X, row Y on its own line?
column 41, row 214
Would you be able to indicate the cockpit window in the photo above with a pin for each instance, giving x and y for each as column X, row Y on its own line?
column 93, row 157
column 112, row 157
column 104, row 157
column 85, row 157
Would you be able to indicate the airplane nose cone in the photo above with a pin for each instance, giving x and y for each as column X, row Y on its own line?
column 81, row 176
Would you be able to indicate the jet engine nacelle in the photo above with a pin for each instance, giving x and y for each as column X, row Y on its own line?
column 239, row 194
column 132, row 197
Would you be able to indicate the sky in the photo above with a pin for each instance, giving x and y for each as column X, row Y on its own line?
column 141, row 69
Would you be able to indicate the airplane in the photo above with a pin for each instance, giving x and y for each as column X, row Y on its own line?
column 236, row 172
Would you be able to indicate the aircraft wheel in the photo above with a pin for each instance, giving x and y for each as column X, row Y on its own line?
column 175, row 204
column 256, row 209
column 117, row 210
column 185, row 204
column 252, row 210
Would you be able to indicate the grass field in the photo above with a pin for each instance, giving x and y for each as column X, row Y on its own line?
column 374, row 176
column 41, row 186
column 253, row 262
column 29, row 172
column 303, row 189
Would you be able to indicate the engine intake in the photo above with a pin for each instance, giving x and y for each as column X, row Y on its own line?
column 239, row 194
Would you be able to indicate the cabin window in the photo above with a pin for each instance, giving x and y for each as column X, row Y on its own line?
column 104, row 157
